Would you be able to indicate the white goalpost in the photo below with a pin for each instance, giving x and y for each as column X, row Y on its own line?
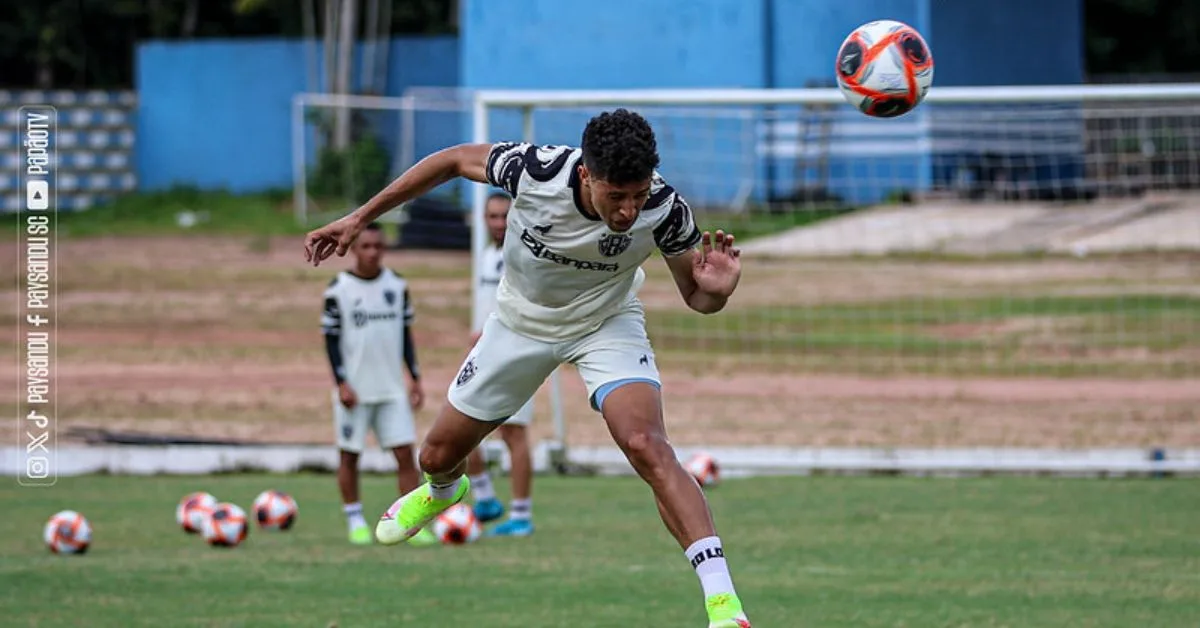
column 1106, row 177
column 1040, row 237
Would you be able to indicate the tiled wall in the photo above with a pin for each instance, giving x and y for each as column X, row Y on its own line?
column 95, row 145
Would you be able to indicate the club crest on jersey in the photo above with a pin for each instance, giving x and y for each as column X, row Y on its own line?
column 614, row 244
column 390, row 297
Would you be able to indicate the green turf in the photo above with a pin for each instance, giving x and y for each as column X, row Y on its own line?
column 823, row 551
column 159, row 213
column 756, row 224
column 1019, row 334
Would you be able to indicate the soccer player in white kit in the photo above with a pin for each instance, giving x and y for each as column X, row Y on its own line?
column 582, row 223
column 514, row 432
column 366, row 322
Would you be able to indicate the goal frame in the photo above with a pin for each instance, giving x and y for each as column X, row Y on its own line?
column 527, row 101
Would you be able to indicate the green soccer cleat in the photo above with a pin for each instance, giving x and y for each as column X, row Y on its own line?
column 725, row 611
column 424, row 538
column 414, row 511
column 360, row 535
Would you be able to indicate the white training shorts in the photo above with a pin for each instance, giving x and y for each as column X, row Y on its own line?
column 505, row 369
column 522, row 417
column 392, row 422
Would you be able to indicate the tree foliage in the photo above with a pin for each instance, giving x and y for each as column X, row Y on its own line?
column 1131, row 37
column 90, row 44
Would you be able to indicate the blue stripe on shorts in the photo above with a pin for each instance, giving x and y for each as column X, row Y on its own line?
column 604, row 390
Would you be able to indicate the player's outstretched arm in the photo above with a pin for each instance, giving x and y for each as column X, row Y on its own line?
column 465, row 160
column 707, row 277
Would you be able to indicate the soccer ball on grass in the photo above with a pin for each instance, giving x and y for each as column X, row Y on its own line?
column 704, row 468
column 226, row 526
column 884, row 68
column 274, row 510
column 67, row 532
column 193, row 509
column 457, row 526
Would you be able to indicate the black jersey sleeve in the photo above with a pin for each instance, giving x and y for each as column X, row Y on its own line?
column 508, row 162
column 331, row 328
column 505, row 164
column 677, row 233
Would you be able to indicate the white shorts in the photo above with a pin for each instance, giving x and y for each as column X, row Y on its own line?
column 505, row 369
column 392, row 422
column 522, row 417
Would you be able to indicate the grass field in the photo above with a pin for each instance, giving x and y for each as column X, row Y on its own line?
column 212, row 331
column 811, row 552
column 1056, row 335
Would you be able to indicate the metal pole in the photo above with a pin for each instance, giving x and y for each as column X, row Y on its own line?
column 299, row 157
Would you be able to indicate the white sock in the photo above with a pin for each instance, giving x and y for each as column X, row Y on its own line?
column 708, row 559
column 444, row 491
column 354, row 515
column 521, row 509
column 481, row 486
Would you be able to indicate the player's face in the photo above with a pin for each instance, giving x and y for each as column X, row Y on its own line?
column 368, row 250
column 617, row 205
column 496, row 216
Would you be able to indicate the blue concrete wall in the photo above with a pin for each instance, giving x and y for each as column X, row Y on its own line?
column 217, row 113
column 1014, row 42
column 551, row 44
column 732, row 43
column 612, row 44
column 807, row 35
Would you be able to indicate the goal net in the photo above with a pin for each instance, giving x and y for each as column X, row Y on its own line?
column 1001, row 266
column 972, row 273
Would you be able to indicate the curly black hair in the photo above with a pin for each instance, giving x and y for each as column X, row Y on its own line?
column 619, row 147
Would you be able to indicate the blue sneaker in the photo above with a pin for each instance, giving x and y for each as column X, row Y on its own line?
column 488, row 510
column 513, row 527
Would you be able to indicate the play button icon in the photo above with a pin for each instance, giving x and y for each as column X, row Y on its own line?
column 37, row 195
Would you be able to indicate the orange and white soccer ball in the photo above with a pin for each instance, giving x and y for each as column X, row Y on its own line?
column 67, row 532
column 274, row 510
column 193, row 509
column 457, row 526
column 704, row 468
column 226, row 526
column 884, row 68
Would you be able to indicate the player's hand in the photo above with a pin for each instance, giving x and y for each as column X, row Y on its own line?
column 416, row 396
column 335, row 237
column 346, row 396
column 718, row 267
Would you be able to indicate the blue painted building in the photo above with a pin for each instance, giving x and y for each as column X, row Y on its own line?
column 217, row 113
column 729, row 156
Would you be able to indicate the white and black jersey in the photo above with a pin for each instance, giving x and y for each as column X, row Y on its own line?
column 566, row 272
column 491, row 268
column 366, row 323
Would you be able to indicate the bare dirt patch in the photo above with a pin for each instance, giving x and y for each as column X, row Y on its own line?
column 218, row 338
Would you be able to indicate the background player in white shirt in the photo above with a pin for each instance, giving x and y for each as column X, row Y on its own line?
column 582, row 223
column 514, row 432
column 367, row 321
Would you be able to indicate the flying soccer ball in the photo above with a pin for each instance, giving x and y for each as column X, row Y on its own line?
column 67, row 533
column 457, row 526
column 225, row 527
column 274, row 510
column 884, row 68
column 193, row 509
column 704, row 468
